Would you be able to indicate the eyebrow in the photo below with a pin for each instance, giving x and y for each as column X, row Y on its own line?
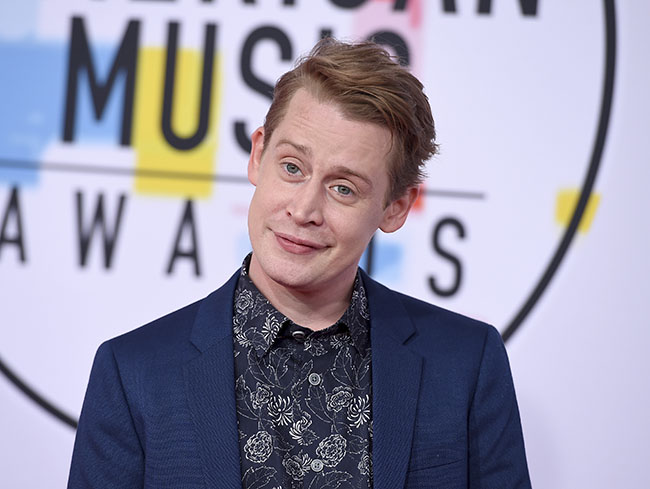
column 300, row 147
column 347, row 171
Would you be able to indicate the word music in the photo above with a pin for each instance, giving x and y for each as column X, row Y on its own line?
column 124, row 65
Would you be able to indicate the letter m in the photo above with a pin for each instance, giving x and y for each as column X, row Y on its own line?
column 80, row 58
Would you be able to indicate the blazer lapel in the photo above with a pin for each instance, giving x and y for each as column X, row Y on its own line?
column 210, row 388
column 396, row 372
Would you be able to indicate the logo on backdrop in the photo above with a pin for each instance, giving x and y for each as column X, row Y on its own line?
column 154, row 112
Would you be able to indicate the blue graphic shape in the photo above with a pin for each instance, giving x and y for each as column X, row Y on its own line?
column 18, row 19
column 108, row 128
column 243, row 246
column 31, row 87
column 386, row 261
column 32, row 101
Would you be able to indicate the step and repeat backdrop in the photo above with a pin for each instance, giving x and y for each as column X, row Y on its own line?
column 124, row 136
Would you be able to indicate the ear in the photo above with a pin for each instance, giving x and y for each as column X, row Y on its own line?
column 255, row 159
column 396, row 212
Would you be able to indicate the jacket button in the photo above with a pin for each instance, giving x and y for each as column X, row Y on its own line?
column 316, row 465
column 314, row 379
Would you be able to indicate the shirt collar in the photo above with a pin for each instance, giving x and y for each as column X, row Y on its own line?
column 257, row 322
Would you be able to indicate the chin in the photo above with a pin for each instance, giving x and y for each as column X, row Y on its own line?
column 291, row 275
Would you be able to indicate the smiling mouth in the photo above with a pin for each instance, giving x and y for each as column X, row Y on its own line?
column 296, row 245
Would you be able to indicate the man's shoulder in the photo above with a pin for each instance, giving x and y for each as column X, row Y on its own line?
column 432, row 323
column 431, row 314
column 169, row 328
column 175, row 333
column 447, row 341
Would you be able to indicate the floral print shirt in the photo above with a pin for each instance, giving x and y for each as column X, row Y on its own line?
column 303, row 397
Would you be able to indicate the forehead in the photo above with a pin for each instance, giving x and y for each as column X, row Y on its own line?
column 322, row 130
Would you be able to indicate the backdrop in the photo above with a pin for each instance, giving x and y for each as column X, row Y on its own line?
column 124, row 135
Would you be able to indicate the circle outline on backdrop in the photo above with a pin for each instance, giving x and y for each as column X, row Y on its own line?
column 551, row 268
column 590, row 178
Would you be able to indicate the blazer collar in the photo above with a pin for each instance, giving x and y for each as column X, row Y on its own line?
column 213, row 321
column 396, row 372
column 387, row 306
column 210, row 389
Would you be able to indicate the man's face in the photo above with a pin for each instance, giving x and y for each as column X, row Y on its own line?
column 321, row 185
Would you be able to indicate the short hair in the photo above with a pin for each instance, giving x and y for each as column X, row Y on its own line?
column 368, row 85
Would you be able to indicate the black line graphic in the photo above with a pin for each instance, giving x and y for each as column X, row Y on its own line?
column 36, row 397
column 24, row 165
column 116, row 171
column 590, row 178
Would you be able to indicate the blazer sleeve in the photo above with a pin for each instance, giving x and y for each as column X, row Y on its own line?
column 107, row 451
column 497, row 458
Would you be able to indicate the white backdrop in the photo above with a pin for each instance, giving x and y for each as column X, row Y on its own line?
column 520, row 95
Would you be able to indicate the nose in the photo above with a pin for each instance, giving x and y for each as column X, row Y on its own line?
column 305, row 206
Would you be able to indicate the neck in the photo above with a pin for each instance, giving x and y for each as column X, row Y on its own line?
column 314, row 309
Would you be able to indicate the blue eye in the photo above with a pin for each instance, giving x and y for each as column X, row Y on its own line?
column 292, row 168
column 343, row 190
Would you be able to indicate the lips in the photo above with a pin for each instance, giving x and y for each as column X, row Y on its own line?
column 298, row 246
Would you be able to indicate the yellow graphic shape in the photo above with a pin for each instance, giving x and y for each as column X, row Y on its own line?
column 565, row 205
column 156, row 159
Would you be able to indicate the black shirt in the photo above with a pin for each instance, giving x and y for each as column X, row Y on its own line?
column 303, row 397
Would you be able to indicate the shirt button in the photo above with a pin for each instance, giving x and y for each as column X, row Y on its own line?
column 316, row 465
column 298, row 335
column 314, row 379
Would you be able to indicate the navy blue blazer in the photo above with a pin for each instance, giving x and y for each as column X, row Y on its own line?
column 160, row 412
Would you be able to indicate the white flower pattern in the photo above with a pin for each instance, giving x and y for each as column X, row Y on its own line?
column 300, row 431
column 340, row 398
column 258, row 447
column 365, row 464
column 261, row 396
column 359, row 411
column 303, row 407
column 297, row 465
column 332, row 450
column 281, row 410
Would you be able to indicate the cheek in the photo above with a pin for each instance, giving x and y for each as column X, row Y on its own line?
column 356, row 231
column 255, row 210
column 269, row 188
column 266, row 202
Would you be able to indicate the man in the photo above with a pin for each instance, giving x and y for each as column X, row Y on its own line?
column 301, row 371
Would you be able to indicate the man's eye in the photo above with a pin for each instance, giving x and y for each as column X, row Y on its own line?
column 292, row 168
column 343, row 190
